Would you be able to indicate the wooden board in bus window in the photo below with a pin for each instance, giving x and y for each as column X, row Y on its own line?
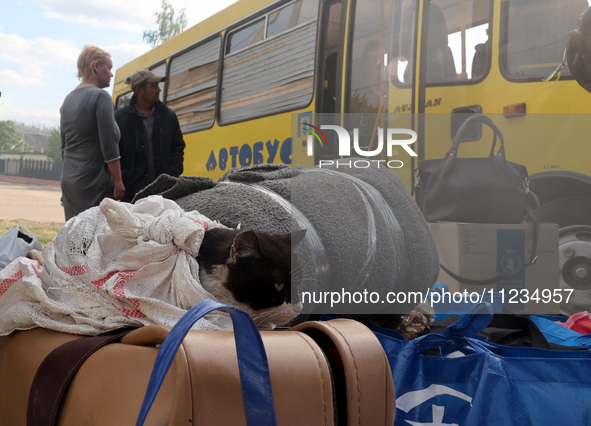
column 192, row 86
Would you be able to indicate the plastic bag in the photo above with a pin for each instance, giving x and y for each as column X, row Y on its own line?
column 458, row 377
column 17, row 242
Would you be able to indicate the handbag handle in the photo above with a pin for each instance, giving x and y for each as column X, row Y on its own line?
column 252, row 362
column 478, row 118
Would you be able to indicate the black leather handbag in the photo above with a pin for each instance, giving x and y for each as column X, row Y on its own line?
column 474, row 190
column 477, row 190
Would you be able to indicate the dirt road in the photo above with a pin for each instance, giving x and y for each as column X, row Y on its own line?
column 20, row 200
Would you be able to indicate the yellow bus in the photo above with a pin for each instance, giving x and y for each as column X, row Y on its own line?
column 244, row 81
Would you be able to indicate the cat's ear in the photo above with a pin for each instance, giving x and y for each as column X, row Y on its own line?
column 246, row 244
column 297, row 237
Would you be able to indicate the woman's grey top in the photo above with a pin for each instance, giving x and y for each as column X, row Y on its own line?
column 90, row 138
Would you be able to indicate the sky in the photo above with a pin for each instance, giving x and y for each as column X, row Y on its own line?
column 40, row 41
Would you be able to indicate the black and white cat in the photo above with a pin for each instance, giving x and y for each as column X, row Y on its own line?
column 251, row 270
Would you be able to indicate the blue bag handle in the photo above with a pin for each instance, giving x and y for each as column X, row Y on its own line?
column 463, row 336
column 456, row 335
column 472, row 324
column 252, row 363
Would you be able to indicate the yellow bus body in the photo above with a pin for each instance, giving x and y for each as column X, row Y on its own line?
column 544, row 121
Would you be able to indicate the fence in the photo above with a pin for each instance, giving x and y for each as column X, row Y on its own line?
column 33, row 168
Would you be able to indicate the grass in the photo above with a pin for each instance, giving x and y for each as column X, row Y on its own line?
column 45, row 232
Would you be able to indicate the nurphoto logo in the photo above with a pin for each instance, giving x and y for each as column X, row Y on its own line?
column 386, row 138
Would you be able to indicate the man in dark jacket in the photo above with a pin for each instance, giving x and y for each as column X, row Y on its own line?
column 151, row 139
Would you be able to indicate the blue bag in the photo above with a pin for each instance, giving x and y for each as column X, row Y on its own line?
column 470, row 381
column 559, row 334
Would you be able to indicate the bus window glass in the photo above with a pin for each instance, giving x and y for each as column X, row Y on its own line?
column 192, row 85
column 123, row 100
column 308, row 11
column 246, row 36
column 289, row 16
column 477, row 52
column 534, row 35
column 458, row 46
column 272, row 76
column 402, row 45
column 368, row 56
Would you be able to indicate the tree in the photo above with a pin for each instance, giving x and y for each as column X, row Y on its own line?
column 54, row 145
column 170, row 23
column 10, row 138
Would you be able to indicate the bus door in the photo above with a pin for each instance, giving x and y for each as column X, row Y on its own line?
column 382, row 38
column 330, row 71
column 400, row 72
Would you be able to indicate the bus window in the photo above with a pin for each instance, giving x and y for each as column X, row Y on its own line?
column 458, row 46
column 368, row 72
column 246, row 36
column 371, row 35
column 328, row 96
column 275, row 74
column 192, row 85
column 123, row 100
column 402, row 45
column 291, row 15
column 534, row 35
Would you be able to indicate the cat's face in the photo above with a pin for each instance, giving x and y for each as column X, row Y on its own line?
column 256, row 276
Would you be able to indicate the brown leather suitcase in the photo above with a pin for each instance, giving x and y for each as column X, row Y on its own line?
column 322, row 373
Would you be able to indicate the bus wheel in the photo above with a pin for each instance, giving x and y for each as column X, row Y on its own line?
column 565, row 197
column 567, row 211
column 575, row 267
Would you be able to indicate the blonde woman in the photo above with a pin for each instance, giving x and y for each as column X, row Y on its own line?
column 90, row 137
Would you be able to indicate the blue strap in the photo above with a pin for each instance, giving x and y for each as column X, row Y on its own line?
column 473, row 323
column 252, row 363
column 461, row 335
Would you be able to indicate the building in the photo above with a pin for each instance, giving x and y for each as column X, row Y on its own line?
column 36, row 141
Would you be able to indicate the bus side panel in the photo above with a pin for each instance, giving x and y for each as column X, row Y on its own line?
column 264, row 140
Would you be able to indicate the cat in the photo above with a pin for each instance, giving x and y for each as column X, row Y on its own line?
column 251, row 270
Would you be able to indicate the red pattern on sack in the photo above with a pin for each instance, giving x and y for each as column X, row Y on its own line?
column 206, row 225
column 102, row 281
column 5, row 284
column 75, row 271
column 119, row 291
column 133, row 313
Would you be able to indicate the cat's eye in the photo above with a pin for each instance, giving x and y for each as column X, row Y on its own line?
column 279, row 287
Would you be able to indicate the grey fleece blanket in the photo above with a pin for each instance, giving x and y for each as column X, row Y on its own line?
column 365, row 234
